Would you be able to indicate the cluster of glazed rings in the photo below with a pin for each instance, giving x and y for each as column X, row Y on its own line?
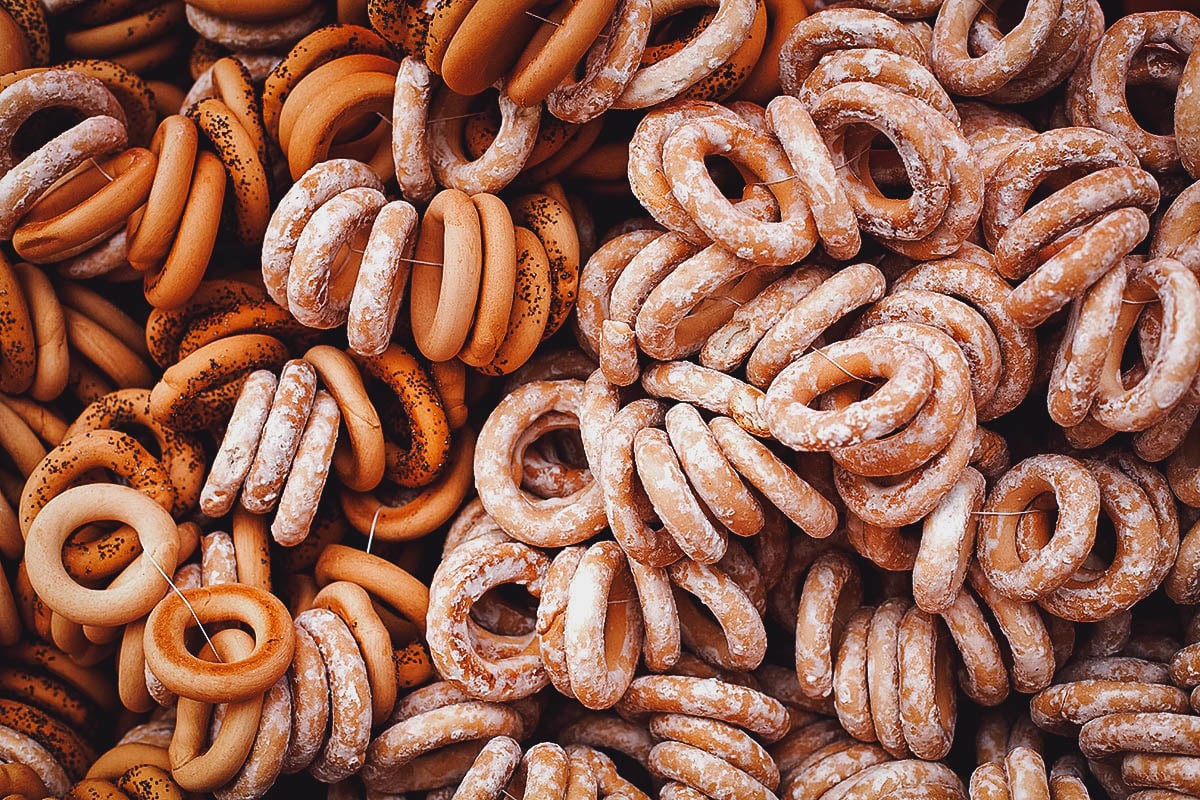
column 150, row 211
column 489, row 280
column 606, row 54
column 281, row 438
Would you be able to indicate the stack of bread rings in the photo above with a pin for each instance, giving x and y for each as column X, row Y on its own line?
column 680, row 399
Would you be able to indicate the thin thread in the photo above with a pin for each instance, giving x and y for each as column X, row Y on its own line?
column 825, row 356
column 1138, row 302
column 96, row 164
column 456, row 116
column 195, row 616
column 374, row 522
column 544, row 19
column 419, row 261
column 772, row 183
column 384, row 117
column 1009, row 513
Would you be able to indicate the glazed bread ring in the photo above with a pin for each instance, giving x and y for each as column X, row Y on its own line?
column 188, row 676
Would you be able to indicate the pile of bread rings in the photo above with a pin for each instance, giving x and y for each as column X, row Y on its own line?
column 731, row 399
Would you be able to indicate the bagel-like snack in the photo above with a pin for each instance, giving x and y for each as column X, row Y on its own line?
column 201, row 389
column 141, row 586
column 247, row 174
column 425, row 425
column 360, row 461
column 423, row 513
column 188, row 676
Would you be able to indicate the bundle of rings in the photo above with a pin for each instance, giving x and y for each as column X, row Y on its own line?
column 603, row 399
column 490, row 280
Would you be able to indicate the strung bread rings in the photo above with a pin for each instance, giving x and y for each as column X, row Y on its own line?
column 900, row 118
column 239, row 153
column 201, row 389
column 337, row 670
column 317, row 48
column 180, row 454
column 100, row 133
column 275, row 32
column 421, row 739
column 138, row 41
column 142, row 585
column 505, row 157
column 602, row 631
column 669, row 77
column 403, row 518
column 928, row 229
column 201, row 768
column 423, row 427
column 344, row 95
column 1169, row 369
column 609, row 64
column 842, row 29
column 1009, row 60
column 514, row 670
column 1031, row 578
column 909, row 377
column 883, row 67
column 647, row 180
column 109, row 449
column 979, row 285
column 149, row 233
column 78, row 213
column 707, row 755
column 683, row 152
column 1103, row 104
column 1134, row 571
column 277, row 450
column 812, row 165
column 291, row 218
column 188, row 676
column 544, row 53
column 1118, row 223
column 442, row 310
column 216, row 310
column 741, row 706
column 562, row 520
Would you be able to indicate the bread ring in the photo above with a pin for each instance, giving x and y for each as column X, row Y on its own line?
column 422, row 735
column 238, row 35
column 529, row 315
column 784, row 242
column 137, row 594
column 671, row 76
column 77, row 213
column 179, row 398
column 247, row 175
column 307, row 473
column 842, row 29
column 463, row 577
column 343, row 751
column 291, row 217
column 317, row 48
column 187, row 676
column 26, row 34
column 1103, row 104
column 445, row 277
column 505, row 157
column 736, row 705
column 353, row 605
